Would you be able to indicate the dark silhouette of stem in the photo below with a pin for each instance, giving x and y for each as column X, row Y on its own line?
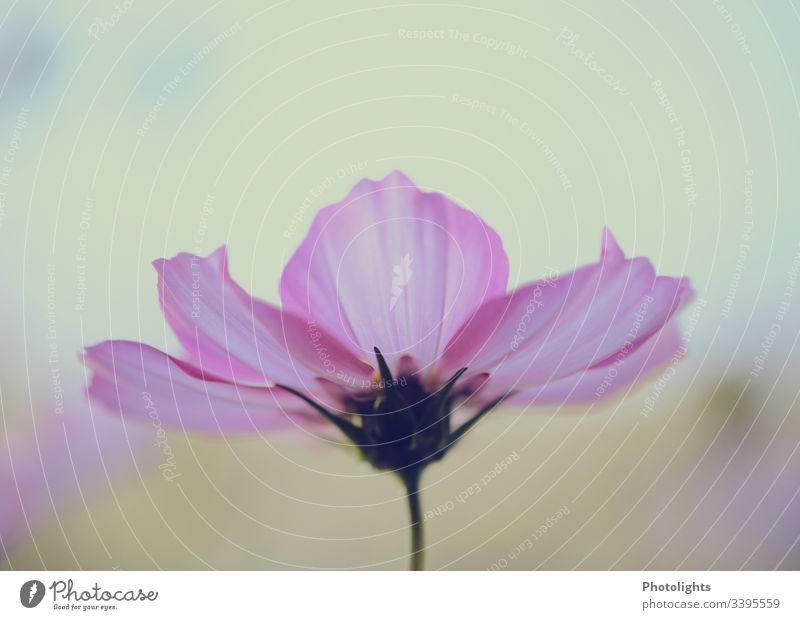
column 410, row 479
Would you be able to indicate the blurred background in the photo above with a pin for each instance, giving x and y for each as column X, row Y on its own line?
column 134, row 130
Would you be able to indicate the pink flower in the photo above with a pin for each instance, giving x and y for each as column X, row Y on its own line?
column 395, row 319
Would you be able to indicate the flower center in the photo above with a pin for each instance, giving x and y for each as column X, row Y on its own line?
column 405, row 426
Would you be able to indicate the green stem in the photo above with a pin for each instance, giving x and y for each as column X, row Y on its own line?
column 410, row 479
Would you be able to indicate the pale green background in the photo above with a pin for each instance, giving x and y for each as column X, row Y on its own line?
column 296, row 92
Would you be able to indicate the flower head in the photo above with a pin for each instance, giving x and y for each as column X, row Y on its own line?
column 395, row 320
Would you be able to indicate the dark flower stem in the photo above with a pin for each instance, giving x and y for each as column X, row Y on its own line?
column 410, row 479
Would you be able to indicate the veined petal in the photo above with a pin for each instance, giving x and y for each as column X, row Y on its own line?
column 235, row 336
column 610, row 376
column 556, row 327
column 395, row 268
column 141, row 382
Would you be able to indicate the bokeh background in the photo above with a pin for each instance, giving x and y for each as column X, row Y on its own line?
column 134, row 130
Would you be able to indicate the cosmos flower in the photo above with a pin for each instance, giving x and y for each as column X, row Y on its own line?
column 396, row 329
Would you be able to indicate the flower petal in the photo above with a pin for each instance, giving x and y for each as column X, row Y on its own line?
column 240, row 338
column 395, row 268
column 556, row 327
column 53, row 463
column 139, row 381
column 610, row 376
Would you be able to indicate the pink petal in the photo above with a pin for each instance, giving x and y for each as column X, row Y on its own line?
column 602, row 380
column 56, row 463
column 394, row 267
column 556, row 327
column 235, row 336
column 23, row 493
column 139, row 381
